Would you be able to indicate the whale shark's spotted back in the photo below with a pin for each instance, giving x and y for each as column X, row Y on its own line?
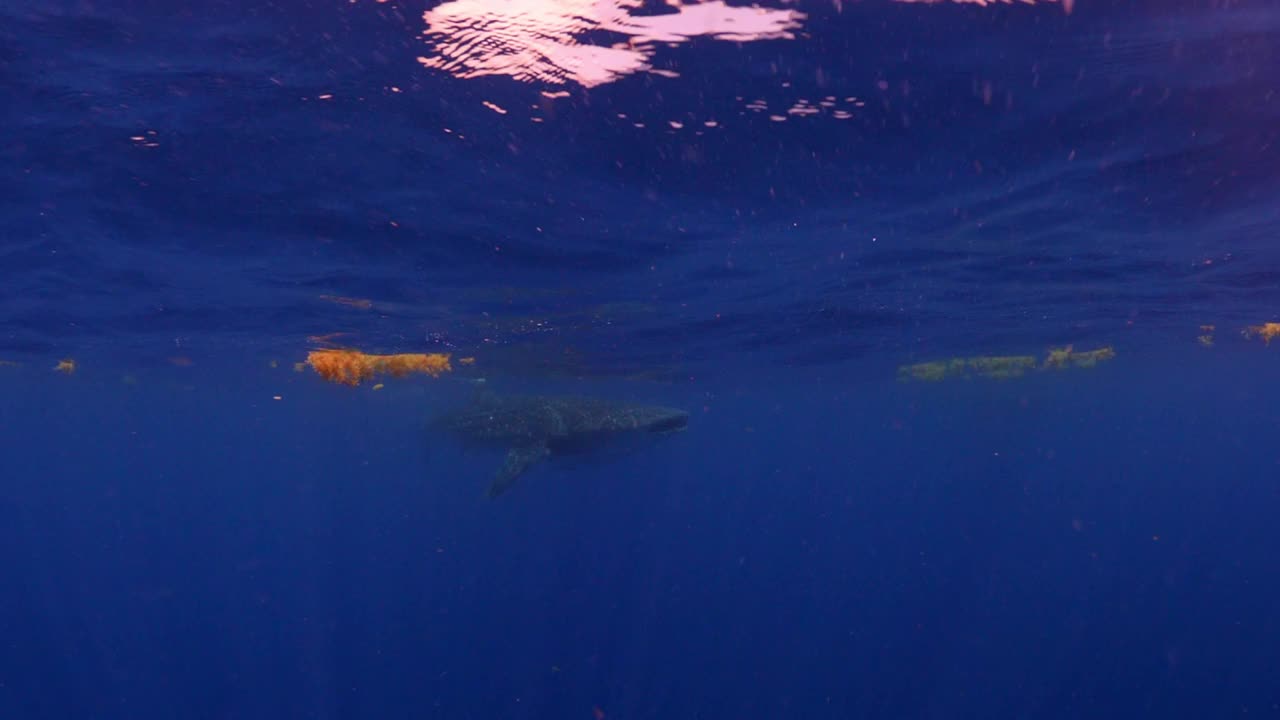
column 534, row 427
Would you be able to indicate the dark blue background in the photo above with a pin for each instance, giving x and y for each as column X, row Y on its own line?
column 1098, row 545
column 822, row 542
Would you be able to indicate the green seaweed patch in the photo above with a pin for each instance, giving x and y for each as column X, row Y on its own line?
column 1002, row 367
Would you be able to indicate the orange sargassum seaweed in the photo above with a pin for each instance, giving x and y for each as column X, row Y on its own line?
column 1266, row 331
column 351, row 367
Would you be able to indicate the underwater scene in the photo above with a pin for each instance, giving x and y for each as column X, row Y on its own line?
column 639, row 359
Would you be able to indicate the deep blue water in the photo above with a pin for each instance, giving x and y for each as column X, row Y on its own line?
column 760, row 227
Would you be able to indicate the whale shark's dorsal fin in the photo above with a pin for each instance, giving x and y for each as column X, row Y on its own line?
column 519, row 458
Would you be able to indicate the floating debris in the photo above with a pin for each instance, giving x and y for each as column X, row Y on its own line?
column 358, row 303
column 1065, row 357
column 1266, row 331
column 351, row 367
column 1205, row 338
column 997, row 367
column 935, row 371
column 1002, row 367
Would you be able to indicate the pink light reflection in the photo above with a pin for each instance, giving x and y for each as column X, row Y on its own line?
column 541, row 41
column 1067, row 5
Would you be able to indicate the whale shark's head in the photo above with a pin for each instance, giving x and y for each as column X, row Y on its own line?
column 661, row 419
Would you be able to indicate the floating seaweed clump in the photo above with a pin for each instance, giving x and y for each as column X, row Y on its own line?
column 1002, row 367
column 1266, row 331
column 351, row 367
column 1205, row 337
column 1061, row 358
column 993, row 366
column 932, row 371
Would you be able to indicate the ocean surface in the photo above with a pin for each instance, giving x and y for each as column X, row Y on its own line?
column 970, row 305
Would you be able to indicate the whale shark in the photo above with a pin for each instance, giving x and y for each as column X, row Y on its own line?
column 535, row 427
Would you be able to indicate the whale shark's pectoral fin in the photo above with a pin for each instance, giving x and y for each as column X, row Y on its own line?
column 519, row 458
